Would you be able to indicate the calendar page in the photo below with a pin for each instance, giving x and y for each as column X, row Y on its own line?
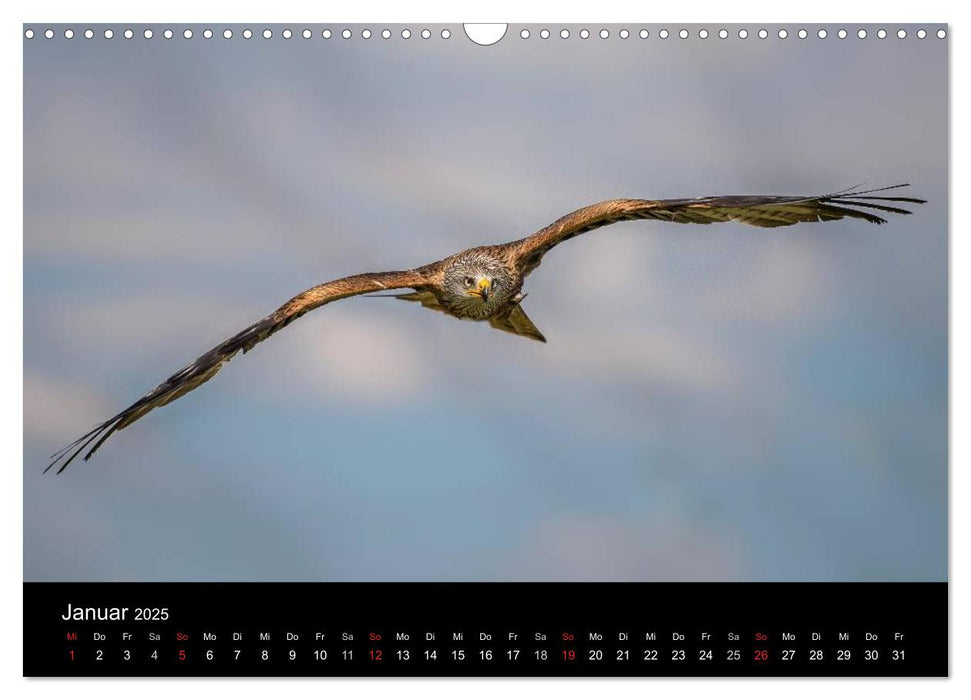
column 485, row 350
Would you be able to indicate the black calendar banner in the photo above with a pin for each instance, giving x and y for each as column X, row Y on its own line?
column 480, row 629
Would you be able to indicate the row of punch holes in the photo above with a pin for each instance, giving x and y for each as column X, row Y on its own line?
column 446, row 33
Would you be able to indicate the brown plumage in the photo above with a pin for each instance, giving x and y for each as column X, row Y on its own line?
column 485, row 284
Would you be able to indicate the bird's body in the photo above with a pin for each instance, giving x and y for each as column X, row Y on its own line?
column 486, row 283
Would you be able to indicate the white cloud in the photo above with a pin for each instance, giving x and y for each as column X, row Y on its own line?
column 360, row 356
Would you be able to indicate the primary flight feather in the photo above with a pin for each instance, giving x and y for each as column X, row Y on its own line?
column 485, row 283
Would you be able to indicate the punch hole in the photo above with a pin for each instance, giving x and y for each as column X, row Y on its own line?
column 129, row 34
column 763, row 34
column 683, row 34
column 68, row 33
column 624, row 33
column 405, row 33
column 584, row 33
column 487, row 34
column 941, row 33
column 425, row 34
column 841, row 33
column 326, row 34
column 545, row 34
column 722, row 33
column 564, row 33
column 29, row 34
column 267, row 34
column 604, row 34
column 881, row 34
column 821, row 33
column 187, row 34
column 168, row 34
column 743, row 33
column 366, row 34
column 783, row 33
column 524, row 34
column 446, row 34
column 307, row 34
column 861, row 33
column 109, row 34
column 703, row 34
column 385, row 33
column 49, row 34
column 148, row 33
column 228, row 34
column 803, row 33
column 247, row 33
column 901, row 33
column 663, row 33
column 207, row 33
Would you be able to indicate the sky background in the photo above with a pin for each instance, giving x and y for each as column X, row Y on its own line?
column 714, row 403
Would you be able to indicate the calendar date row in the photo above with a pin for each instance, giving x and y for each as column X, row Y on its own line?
column 380, row 655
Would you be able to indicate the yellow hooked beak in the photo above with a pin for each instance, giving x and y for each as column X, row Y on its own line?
column 483, row 289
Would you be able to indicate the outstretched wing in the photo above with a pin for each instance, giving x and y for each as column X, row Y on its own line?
column 203, row 368
column 755, row 210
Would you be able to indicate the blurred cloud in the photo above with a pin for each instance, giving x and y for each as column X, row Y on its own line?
column 782, row 283
column 52, row 406
column 139, row 323
column 122, row 238
column 360, row 358
column 658, row 357
column 608, row 549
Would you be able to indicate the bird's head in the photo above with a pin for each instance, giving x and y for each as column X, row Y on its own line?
column 477, row 280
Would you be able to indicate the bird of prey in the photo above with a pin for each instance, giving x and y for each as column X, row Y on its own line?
column 486, row 283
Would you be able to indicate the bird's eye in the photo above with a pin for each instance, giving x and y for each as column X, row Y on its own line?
column 469, row 281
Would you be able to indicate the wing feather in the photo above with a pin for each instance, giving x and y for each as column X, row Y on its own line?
column 204, row 368
column 753, row 210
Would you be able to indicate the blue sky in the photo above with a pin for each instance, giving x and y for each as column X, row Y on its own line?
column 714, row 403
